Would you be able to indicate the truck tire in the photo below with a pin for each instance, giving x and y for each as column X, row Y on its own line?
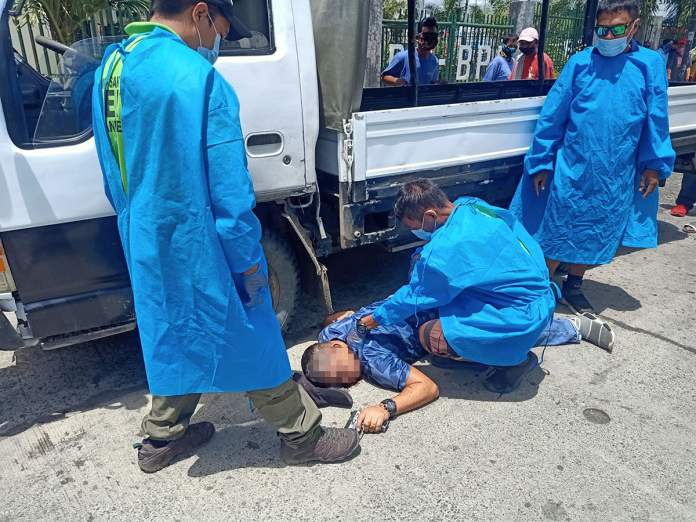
column 283, row 276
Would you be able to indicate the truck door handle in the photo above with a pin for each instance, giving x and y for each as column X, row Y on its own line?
column 264, row 144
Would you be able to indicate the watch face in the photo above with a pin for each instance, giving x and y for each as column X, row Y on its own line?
column 360, row 327
column 390, row 406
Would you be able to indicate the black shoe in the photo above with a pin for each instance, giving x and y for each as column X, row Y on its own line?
column 505, row 379
column 453, row 364
column 573, row 298
column 333, row 445
column 152, row 458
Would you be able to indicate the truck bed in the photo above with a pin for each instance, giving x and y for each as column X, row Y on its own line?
column 472, row 148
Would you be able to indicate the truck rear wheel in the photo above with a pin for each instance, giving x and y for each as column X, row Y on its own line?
column 283, row 276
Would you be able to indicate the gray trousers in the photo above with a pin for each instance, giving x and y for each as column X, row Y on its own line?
column 287, row 408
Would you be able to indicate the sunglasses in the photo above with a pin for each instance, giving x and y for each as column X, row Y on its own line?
column 616, row 30
column 429, row 37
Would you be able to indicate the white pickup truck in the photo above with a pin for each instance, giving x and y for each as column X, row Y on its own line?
column 326, row 157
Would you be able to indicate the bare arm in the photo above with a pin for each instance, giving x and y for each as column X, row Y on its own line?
column 419, row 390
column 393, row 80
column 336, row 317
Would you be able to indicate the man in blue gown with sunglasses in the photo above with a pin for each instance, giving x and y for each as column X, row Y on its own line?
column 600, row 147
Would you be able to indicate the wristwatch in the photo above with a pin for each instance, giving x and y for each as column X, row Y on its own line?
column 361, row 327
column 390, row 406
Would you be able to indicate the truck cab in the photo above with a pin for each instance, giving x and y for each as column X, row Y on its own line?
column 64, row 273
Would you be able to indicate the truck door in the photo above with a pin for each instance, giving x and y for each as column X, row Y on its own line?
column 265, row 72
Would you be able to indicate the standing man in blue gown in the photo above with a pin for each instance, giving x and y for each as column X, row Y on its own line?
column 171, row 148
column 600, row 147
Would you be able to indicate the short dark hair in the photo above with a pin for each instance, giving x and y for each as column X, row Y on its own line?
column 667, row 41
column 307, row 356
column 176, row 7
column 507, row 37
column 415, row 197
column 428, row 22
column 614, row 6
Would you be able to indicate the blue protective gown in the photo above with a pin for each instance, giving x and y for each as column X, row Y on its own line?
column 487, row 278
column 186, row 223
column 603, row 124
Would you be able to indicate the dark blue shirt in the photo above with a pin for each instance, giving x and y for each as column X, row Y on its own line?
column 387, row 352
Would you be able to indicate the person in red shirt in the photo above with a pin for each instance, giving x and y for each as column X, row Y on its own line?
column 527, row 65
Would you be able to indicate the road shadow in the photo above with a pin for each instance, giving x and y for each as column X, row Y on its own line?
column 236, row 447
column 468, row 385
column 242, row 440
column 40, row 386
column 668, row 232
column 363, row 275
column 604, row 296
column 354, row 283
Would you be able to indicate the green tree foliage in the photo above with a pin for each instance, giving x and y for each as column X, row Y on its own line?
column 393, row 9
column 679, row 12
column 64, row 17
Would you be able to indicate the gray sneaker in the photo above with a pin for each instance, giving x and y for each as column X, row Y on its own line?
column 595, row 331
column 333, row 445
column 152, row 459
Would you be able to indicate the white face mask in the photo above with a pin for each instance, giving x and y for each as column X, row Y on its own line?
column 209, row 54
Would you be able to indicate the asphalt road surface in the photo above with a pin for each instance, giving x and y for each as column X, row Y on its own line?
column 68, row 419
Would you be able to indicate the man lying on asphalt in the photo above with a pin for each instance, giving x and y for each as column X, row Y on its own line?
column 479, row 295
column 385, row 357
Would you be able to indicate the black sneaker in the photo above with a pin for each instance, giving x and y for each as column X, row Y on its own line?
column 333, row 445
column 505, row 379
column 152, row 458
column 454, row 364
column 573, row 298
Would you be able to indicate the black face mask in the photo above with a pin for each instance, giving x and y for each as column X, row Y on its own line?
column 527, row 50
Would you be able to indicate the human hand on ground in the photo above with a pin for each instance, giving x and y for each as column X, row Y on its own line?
column 539, row 180
column 649, row 181
column 372, row 418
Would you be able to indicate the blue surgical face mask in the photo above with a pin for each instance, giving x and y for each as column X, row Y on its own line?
column 209, row 54
column 610, row 48
column 422, row 234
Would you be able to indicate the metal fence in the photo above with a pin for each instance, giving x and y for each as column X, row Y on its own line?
column 24, row 30
column 563, row 35
column 465, row 48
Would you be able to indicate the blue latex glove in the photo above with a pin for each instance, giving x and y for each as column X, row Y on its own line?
column 256, row 286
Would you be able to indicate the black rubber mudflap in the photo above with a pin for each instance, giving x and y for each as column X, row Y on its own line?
column 9, row 337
